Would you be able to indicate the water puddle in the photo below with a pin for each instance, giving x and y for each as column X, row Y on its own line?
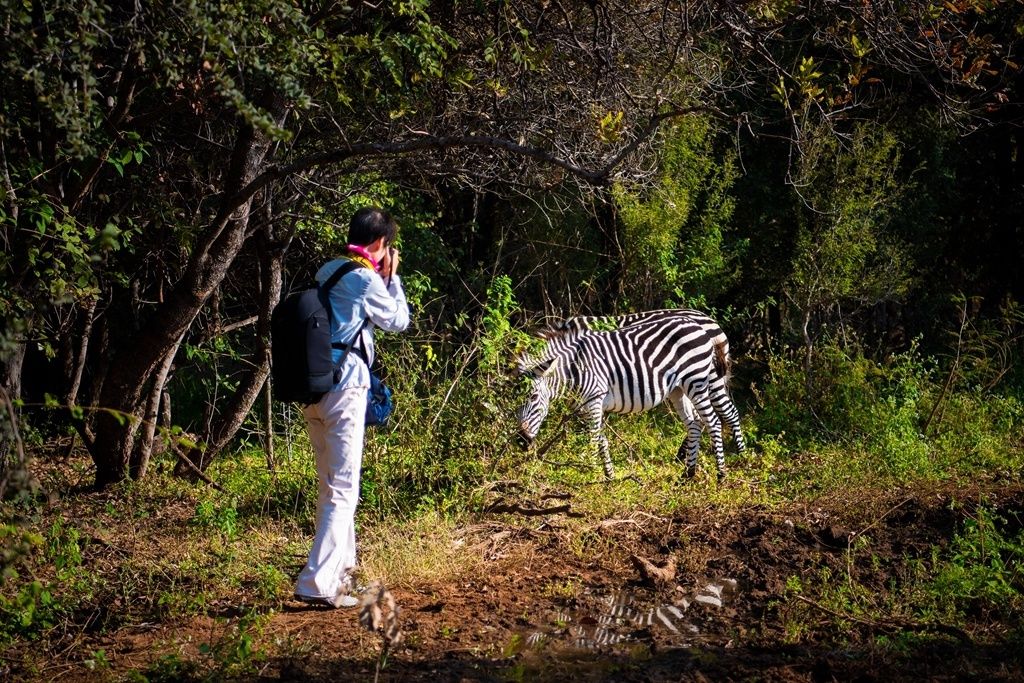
column 623, row 618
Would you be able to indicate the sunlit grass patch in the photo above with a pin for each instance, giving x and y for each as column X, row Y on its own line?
column 424, row 549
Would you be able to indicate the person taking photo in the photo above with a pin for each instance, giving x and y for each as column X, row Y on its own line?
column 367, row 298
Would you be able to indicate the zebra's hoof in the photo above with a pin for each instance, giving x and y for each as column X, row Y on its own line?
column 691, row 471
column 721, row 476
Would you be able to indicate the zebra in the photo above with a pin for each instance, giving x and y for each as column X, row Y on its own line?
column 633, row 369
column 562, row 332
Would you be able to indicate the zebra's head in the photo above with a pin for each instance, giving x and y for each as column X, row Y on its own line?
column 532, row 413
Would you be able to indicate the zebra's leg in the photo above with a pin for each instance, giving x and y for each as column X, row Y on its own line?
column 726, row 410
column 689, row 449
column 593, row 412
column 700, row 394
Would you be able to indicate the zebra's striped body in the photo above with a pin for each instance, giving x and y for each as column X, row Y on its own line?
column 676, row 356
column 561, row 334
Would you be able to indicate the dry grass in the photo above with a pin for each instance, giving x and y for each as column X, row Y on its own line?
column 427, row 549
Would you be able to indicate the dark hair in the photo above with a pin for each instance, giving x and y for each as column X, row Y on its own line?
column 370, row 223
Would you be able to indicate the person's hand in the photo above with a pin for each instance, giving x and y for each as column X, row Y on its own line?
column 389, row 264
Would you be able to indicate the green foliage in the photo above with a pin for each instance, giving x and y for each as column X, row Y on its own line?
column 981, row 570
column 675, row 233
column 28, row 607
column 836, row 403
column 112, row 187
column 454, row 403
column 236, row 653
column 170, row 668
column 843, row 252
column 974, row 576
column 880, row 411
column 16, row 543
column 222, row 517
column 498, row 333
column 991, row 347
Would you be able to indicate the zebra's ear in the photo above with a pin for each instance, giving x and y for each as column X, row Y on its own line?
column 544, row 368
column 544, row 333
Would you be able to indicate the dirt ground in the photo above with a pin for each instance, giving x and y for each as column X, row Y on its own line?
column 713, row 608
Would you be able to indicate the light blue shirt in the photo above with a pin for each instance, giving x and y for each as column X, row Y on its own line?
column 358, row 296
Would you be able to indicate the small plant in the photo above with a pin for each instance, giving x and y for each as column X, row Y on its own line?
column 568, row 588
column 169, row 668
column 223, row 518
column 379, row 614
column 98, row 661
column 496, row 326
column 236, row 654
column 983, row 571
column 268, row 580
column 38, row 605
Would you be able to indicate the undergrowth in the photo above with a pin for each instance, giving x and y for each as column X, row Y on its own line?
column 164, row 548
column 967, row 588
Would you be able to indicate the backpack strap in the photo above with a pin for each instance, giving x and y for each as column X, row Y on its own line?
column 325, row 288
column 342, row 270
column 351, row 346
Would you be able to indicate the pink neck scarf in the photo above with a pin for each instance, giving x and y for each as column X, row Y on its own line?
column 361, row 251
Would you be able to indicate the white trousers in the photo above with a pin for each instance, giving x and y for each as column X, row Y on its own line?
column 336, row 428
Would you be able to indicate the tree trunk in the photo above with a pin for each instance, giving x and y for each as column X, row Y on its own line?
column 268, row 419
column 228, row 422
column 10, row 370
column 136, row 361
column 139, row 464
column 610, row 272
column 79, row 361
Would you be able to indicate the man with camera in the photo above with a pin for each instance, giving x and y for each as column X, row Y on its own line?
column 365, row 298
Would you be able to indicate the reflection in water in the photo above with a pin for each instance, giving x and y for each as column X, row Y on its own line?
column 626, row 619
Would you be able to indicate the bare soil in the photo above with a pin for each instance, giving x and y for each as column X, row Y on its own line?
column 539, row 613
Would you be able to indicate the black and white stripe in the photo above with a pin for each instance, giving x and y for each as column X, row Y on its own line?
column 676, row 356
column 721, row 399
column 583, row 323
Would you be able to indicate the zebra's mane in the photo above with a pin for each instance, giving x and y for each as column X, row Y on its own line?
column 578, row 324
column 558, row 348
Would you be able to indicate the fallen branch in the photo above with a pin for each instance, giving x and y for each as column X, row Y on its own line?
column 195, row 470
column 952, row 370
column 19, row 449
column 887, row 513
column 609, row 523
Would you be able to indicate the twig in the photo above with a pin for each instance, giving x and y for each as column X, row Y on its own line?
column 952, row 369
column 887, row 513
column 455, row 382
column 629, row 477
column 578, row 465
column 19, row 448
column 608, row 523
column 551, row 442
column 541, row 451
column 195, row 470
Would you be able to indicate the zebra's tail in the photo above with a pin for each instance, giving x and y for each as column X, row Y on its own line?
column 723, row 364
